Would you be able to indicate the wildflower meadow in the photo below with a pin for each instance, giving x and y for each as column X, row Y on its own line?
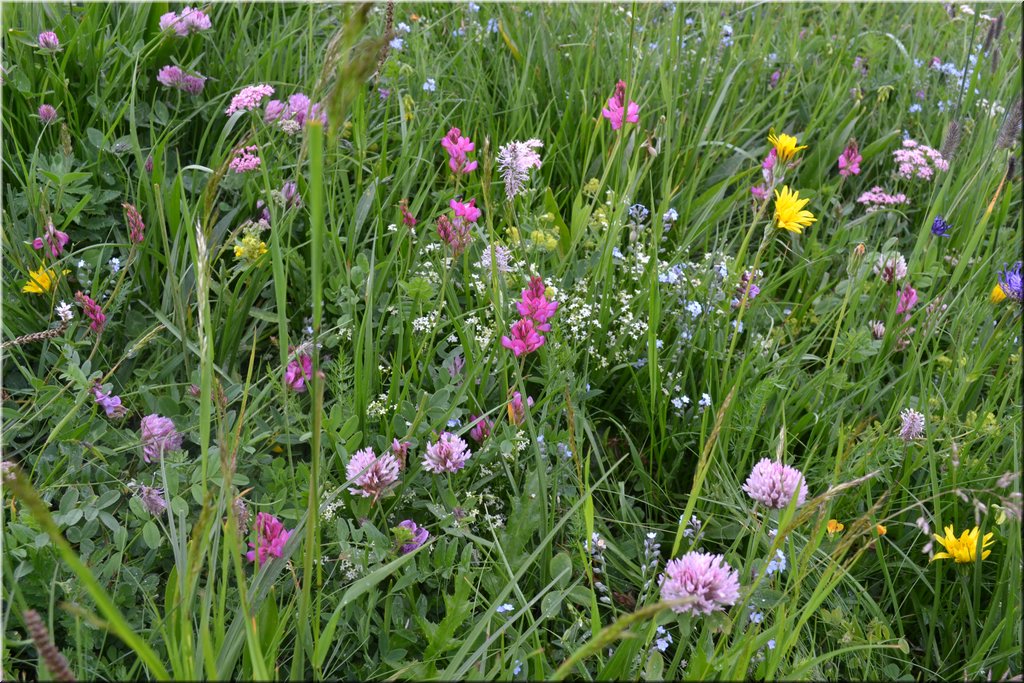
column 644, row 341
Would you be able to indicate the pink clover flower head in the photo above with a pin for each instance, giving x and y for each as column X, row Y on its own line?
column 617, row 111
column 912, row 425
column 448, row 454
column 908, row 299
column 48, row 40
column 372, row 475
column 111, row 404
column 849, row 160
column 522, row 338
column 891, row 267
column 249, row 98
column 93, row 311
column 136, row 228
column 706, row 579
column 158, row 437
column 514, row 163
column 172, row 76
column 246, row 159
column 419, row 536
column 481, row 428
column 190, row 21
column 458, row 147
column 47, row 114
column 270, row 539
column 152, row 499
column 466, row 210
column 516, row 409
column 298, row 372
column 774, row 485
column 52, row 239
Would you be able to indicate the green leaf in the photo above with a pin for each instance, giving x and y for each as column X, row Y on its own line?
column 151, row 535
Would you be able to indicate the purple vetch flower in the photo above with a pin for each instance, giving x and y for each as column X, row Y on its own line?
column 111, row 404
column 373, row 475
column 49, row 41
column 455, row 365
column 912, row 425
column 774, row 485
column 705, row 578
column 419, row 536
column 448, row 454
column 270, row 539
column 136, row 228
column 907, row 300
column 298, row 372
column 53, row 239
column 773, row 81
column 47, row 114
column 158, row 436
column 481, row 427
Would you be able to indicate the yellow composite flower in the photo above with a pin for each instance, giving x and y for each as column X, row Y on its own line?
column 835, row 526
column 789, row 211
column 785, row 145
column 997, row 294
column 965, row 548
column 41, row 281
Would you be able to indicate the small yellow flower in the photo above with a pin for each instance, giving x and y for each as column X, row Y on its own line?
column 785, row 145
column 997, row 295
column 965, row 548
column 835, row 526
column 41, row 281
column 880, row 528
column 789, row 211
column 250, row 248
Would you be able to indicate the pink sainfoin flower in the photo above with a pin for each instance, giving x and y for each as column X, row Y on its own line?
column 458, row 147
column 52, row 239
column 617, row 111
column 174, row 77
column 706, row 579
column 481, row 428
column 158, row 437
column 407, row 218
column 92, row 311
column 516, row 409
column 759, row 192
column 136, row 228
column 418, row 533
column 448, row 454
column 270, row 539
column 47, row 114
column 849, row 160
column 534, row 305
column 191, row 21
column 111, row 404
column 908, row 299
column 514, row 163
column 466, row 210
column 48, row 40
column 773, row 484
column 372, row 475
column 298, row 372
column 914, row 160
column 249, row 98
column 522, row 338
column 246, row 159
column 876, row 198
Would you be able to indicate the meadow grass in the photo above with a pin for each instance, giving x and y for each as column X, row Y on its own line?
column 663, row 380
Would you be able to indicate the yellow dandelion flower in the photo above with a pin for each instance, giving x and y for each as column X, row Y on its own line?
column 41, row 281
column 880, row 528
column 785, row 145
column 789, row 211
column 835, row 526
column 997, row 295
column 965, row 548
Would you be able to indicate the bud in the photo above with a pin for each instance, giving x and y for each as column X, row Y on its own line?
column 859, row 250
